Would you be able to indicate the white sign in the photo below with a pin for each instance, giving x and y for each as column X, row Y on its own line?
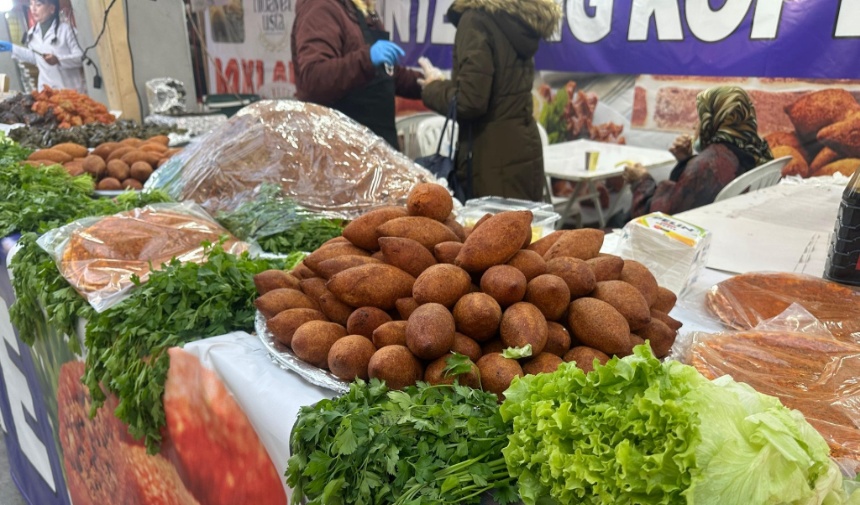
column 249, row 45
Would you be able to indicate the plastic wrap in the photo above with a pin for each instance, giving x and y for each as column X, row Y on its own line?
column 99, row 255
column 797, row 360
column 673, row 250
column 323, row 160
column 544, row 219
column 744, row 301
column 165, row 96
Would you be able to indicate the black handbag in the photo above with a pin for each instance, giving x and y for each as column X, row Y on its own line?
column 445, row 167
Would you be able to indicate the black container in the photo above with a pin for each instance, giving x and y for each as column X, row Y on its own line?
column 843, row 262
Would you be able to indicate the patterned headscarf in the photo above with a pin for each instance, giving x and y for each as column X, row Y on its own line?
column 726, row 114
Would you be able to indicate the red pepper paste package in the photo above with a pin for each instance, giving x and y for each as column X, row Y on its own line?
column 743, row 301
column 323, row 160
column 99, row 255
column 796, row 359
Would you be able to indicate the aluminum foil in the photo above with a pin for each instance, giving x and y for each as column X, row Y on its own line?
column 323, row 160
column 282, row 356
column 194, row 125
column 165, row 96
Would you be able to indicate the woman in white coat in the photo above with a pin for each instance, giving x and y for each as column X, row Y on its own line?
column 51, row 45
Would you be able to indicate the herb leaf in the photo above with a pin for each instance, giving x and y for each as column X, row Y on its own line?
column 426, row 444
column 278, row 224
column 127, row 344
column 518, row 352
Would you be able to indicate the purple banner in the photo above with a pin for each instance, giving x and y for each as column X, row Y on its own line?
column 817, row 39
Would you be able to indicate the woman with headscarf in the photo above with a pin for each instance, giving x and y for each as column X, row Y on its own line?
column 52, row 46
column 728, row 144
column 492, row 78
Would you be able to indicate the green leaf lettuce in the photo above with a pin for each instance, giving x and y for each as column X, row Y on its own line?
column 640, row 431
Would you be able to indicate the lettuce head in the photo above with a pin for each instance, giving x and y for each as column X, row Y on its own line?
column 639, row 431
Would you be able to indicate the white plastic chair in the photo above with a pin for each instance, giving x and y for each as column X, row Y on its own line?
column 427, row 133
column 558, row 202
column 763, row 176
column 407, row 131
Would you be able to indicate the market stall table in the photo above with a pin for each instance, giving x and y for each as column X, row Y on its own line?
column 783, row 228
column 271, row 397
column 566, row 161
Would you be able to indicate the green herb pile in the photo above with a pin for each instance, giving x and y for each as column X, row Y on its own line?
column 424, row 445
column 127, row 344
column 39, row 199
column 640, row 431
column 88, row 135
column 278, row 224
column 37, row 281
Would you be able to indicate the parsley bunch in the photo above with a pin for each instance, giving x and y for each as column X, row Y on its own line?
column 424, row 445
column 37, row 280
column 183, row 302
column 278, row 224
column 38, row 199
column 39, row 286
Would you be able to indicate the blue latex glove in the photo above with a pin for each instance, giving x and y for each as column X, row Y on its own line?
column 5, row 46
column 383, row 52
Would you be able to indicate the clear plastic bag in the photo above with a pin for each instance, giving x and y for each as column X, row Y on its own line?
column 796, row 359
column 675, row 251
column 99, row 255
column 744, row 301
column 323, row 160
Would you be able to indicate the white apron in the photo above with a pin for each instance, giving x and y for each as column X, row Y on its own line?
column 69, row 73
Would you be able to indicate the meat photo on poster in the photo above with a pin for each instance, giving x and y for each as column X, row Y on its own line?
column 815, row 121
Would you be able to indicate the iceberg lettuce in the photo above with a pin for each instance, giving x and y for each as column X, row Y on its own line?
column 638, row 431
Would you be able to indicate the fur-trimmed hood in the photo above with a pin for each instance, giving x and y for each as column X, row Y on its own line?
column 542, row 16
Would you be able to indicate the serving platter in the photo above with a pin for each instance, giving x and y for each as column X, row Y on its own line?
column 284, row 358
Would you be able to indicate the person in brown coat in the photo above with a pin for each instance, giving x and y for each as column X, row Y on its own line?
column 492, row 78
column 343, row 59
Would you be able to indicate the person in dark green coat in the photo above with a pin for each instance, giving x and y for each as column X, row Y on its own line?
column 492, row 76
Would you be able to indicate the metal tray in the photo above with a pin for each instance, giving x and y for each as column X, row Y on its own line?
column 282, row 356
column 108, row 193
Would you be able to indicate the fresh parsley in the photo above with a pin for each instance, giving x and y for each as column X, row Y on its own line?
column 37, row 281
column 183, row 302
column 278, row 224
column 424, row 445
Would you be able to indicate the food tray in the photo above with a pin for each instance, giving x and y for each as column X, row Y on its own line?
column 282, row 356
column 108, row 193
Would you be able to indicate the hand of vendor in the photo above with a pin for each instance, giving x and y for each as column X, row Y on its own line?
column 634, row 173
column 5, row 46
column 383, row 52
column 431, row 73
column 51, row 59
column 682, row 148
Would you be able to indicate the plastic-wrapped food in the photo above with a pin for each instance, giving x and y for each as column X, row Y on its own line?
column 807, row 370
column 743, row 301
column 323, row 160
column 675, row 251
column 98, row 256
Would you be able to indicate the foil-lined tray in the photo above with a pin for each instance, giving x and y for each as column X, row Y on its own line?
column 284, row 358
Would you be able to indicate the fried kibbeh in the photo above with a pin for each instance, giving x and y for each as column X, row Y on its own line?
column 824, row 157
column 818, row 109
column 797, row 165
column 843, row 137
column 789, row 139
column 845, row 167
